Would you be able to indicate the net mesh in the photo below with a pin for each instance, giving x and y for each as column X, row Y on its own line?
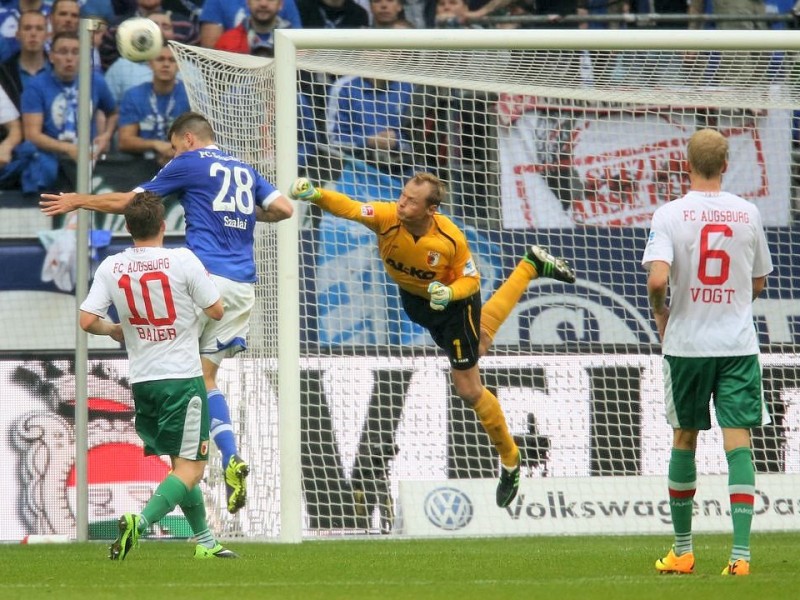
column 572, row 150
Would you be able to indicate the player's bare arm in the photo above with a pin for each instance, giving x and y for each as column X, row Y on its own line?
column 91, row 323
column 59, row 204
column 758, row 285
column 215, row 311
column 657, row 282
column 279, row 210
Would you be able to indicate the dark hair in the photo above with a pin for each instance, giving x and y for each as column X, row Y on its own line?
column 194, row 122
column 57, row 2
column 64, row 35
column 438, row 189
column 144, row 215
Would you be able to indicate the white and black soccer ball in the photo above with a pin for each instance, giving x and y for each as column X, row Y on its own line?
column 139, row 39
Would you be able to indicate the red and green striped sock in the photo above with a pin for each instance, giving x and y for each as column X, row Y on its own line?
column 742, row 489
column 682, row 487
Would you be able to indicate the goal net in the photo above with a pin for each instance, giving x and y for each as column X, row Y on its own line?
column 568, row 141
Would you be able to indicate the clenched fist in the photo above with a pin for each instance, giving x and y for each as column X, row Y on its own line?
column 302, row 189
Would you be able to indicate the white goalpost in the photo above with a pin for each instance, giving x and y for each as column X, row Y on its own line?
column 566, row 139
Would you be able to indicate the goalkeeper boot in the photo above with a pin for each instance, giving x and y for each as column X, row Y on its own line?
column 547, row 265
column 508, row 485
column 737, row 567
column 236, row 473
column 218, row 551
column 672, row 563
column 128, row 537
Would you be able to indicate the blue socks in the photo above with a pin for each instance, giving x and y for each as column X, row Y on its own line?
column 221, row 426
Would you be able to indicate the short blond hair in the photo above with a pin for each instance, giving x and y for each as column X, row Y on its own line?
column 438, row 189
column 707, row 152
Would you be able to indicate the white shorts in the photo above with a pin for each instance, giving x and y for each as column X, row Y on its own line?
column 228, row 336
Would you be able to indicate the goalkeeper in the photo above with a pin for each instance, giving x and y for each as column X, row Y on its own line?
column 428, row 257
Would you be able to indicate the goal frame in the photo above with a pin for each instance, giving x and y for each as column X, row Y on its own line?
column 288, row 42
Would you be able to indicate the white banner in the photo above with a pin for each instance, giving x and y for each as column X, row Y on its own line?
column 600, row 505
column 563, row 167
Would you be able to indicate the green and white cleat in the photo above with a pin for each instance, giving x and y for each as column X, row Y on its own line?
column 218, row 551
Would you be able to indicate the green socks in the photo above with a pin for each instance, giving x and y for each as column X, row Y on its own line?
column 742, row 489
column 194, row 509
column 682, row 487
column 169, row 494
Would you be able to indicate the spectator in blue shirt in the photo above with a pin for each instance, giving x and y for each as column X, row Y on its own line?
column 148, row 110
column 50, row 114
column 366, row 118
column 219, row 16
column 30, row 61
column 10, row 11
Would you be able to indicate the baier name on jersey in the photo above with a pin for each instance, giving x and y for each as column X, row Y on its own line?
column 155, row 334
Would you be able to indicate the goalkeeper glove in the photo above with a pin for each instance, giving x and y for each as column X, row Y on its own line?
column 440, row 295
column 303, row 190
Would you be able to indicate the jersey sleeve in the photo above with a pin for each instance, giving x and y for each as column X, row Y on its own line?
column 659, row 244
column 171, row 179
column 762, row 263
column 105, row 99
column 374, row 215
column 129, row 108
column 211, row 13
column 99, row 297
column 32, row 99
column 266, row 193
column 467, row 278
column 202, row 289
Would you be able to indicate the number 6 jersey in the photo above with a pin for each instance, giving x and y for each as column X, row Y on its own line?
column 715, row 246
column 158, row 294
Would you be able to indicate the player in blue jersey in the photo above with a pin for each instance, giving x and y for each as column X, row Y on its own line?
column 222, row 198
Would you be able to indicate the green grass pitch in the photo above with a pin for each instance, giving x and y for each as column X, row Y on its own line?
column 561, row 568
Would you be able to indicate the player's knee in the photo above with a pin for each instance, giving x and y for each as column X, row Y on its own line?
column 469, row 392
column 190, row 472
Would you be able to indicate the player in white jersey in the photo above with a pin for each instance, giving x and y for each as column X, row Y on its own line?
column 157, row 292
column 222, row 198
column 709, row 249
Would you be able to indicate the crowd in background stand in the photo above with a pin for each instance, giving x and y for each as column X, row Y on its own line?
column 396, row 128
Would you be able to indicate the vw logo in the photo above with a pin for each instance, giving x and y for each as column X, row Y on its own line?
column 448, row 508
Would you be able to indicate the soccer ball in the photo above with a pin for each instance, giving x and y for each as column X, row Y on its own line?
column 139, row 39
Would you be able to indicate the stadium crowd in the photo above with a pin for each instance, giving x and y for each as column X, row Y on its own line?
column 135, row 103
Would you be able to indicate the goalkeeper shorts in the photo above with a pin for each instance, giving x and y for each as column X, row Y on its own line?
column 456, row 330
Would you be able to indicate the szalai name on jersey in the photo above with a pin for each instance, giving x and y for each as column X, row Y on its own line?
column 219, row 194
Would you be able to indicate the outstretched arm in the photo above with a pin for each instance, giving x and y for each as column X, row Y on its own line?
column 333, row 202
column 58, row 204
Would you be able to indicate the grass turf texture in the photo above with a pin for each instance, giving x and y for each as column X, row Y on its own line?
column 618, row 568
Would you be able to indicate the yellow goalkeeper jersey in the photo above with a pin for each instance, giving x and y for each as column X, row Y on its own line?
column 440, row 255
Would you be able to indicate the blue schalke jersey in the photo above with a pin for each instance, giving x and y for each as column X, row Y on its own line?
column 219, row 194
